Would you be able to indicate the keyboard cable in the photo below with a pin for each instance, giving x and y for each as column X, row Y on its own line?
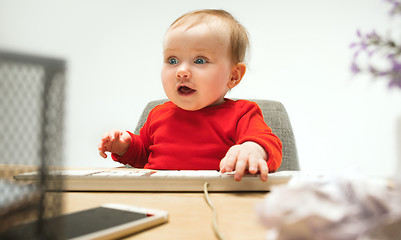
column 214, row 220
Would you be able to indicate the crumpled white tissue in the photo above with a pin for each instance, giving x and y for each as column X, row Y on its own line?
column 332, row 208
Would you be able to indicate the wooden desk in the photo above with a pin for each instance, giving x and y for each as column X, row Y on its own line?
column 189, row 215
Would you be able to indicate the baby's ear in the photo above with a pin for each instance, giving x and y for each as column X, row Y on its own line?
column 238, row 71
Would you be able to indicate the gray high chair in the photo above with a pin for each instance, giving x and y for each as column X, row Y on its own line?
column 276, row 118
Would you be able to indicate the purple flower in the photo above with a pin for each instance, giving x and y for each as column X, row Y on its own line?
column 355, row 68
column 395, row 80
column 396, row 6
column 396, row 66
column 374, row 44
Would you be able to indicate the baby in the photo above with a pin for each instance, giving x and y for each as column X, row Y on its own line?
column 200, row 129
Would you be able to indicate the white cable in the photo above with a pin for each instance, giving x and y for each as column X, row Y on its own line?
column 214, row 220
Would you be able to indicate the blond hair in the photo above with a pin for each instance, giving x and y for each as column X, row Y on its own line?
column 239, row 42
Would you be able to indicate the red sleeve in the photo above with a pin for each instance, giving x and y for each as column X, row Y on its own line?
column 252, row 127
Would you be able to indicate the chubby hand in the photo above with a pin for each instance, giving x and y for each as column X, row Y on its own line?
column 246, row 155
column 114, row 141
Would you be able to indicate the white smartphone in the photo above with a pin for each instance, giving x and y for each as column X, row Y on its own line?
column 108, row 221
column 111, row 221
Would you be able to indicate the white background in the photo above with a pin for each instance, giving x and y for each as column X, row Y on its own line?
column 299, row 56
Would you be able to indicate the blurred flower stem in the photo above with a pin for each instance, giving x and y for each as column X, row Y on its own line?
column 381, row 49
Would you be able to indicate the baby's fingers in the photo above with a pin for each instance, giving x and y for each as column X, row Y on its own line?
column 241, row 165
column 227, row 164
column 264, row 170
column 115, row 135
column 106, row 142
column 103, row 154
column 102, row 149
column 253, row 164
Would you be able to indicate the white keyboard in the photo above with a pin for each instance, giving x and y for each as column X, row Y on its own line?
column 126, row 179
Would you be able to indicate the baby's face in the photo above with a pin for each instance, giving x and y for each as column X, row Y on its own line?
column 197, row 66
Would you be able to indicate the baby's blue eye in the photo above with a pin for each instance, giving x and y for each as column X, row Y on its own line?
column 172, row 61
column 200, row 61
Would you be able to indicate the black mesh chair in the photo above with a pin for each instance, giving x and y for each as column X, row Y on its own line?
column 276, row 118
column 31, row 133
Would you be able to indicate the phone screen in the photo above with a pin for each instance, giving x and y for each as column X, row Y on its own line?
column 81, row 223
column 97, row 219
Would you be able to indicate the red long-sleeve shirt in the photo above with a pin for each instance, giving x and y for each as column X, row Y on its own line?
column 177, row 139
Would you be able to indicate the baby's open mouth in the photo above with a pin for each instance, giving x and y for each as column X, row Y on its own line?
column 184, row 90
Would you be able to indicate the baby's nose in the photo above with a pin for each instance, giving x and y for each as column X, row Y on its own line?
column 183, row 73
